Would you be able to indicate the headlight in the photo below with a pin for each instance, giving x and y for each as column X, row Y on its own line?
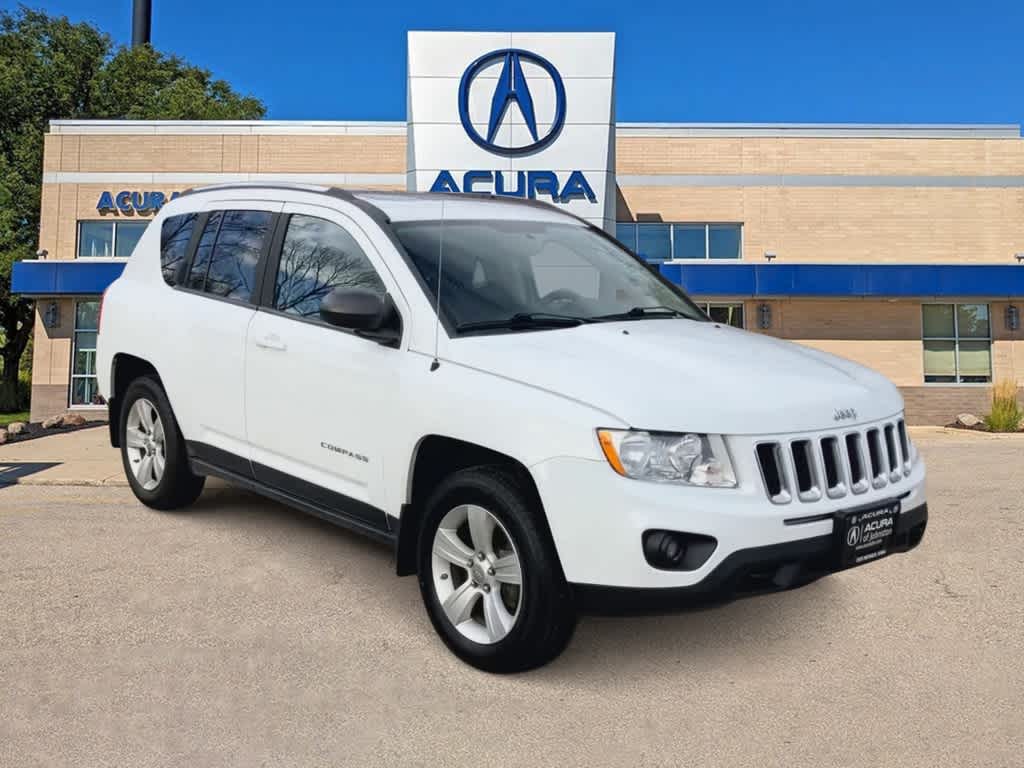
column 690, row 458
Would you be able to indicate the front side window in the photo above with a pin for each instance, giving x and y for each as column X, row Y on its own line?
column 83, row 370
column 318, row 256
column 957, row 342
column 229, row 250
column 106, row 239
column 492, row 271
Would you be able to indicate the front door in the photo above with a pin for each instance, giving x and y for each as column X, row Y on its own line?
column 316, row 395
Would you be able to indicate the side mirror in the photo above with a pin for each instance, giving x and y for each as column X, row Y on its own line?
column 369, row 314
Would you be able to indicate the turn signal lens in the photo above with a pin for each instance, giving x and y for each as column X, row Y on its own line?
column 608, row 446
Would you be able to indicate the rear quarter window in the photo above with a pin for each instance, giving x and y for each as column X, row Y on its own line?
column 175, row 235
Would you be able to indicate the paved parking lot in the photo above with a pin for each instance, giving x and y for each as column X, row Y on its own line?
column 242, row 633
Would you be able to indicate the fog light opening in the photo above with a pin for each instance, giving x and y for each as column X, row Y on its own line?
column 676, row 550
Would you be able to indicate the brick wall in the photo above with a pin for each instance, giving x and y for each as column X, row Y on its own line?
column 941, row 405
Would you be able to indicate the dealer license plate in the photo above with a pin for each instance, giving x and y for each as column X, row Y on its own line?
column 866, row 534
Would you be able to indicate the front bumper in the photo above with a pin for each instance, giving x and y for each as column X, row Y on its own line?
column 747, row 572
column 598, row 519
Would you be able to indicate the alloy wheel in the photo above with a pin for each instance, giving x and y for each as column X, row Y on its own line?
column 477, row 574
column 145, row 443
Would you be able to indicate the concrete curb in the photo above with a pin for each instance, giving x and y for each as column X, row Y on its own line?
column 108, row 483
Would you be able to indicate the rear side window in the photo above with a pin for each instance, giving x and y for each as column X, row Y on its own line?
column 228, row 252
column 174, row 238
column 317, row 257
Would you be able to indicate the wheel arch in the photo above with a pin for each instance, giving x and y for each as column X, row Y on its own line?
column 124, row 369
column 436, row 457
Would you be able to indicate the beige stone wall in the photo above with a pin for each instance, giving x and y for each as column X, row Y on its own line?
column 821, row 155
column 889, row 225
column 165, row 153
column 51, row 361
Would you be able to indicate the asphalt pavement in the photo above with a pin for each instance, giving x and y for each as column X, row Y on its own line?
column 241, row 633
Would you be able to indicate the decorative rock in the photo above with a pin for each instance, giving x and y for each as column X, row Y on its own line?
column 3, row 436
column 72, row 420
column 16, row 428
column 53, row 421
column 967, row 420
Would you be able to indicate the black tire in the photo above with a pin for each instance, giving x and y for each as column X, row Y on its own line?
column 547, row 612
column 178, row 487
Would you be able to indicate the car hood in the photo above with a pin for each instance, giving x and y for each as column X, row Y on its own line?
column 684, row 375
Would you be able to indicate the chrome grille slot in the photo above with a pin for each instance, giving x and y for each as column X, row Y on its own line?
column 802, row 465
column 901, row 429
column 855, row 459
column 878, row 471
column 832, row 459
column 806, row 470
column 893, row 453
column 769, row 459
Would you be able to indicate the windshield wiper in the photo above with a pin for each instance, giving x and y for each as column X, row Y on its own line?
column 656, row 310
column 525, row 321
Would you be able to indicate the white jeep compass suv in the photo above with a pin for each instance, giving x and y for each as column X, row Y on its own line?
column 533, row 418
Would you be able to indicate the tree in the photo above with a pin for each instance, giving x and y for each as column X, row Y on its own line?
column 51, row 68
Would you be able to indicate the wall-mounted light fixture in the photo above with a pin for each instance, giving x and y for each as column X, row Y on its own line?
column 1019, row 257
column 769, row 255
column 764, row 316
column 51, row 315
column 1012, row 318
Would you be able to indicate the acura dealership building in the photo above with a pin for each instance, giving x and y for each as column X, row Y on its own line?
column 900, row 247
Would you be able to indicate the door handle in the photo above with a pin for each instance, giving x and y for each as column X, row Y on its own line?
column 271, row 341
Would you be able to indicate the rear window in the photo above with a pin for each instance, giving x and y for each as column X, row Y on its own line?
column 229, row 249
column 174, row 238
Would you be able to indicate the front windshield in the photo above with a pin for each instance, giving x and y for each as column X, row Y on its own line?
column 492, row 271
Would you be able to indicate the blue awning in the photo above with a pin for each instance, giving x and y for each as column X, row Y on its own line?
column 64, row 278
column 992, row 281
column 705, row 278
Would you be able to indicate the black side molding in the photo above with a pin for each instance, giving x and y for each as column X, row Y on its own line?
column 332, row 507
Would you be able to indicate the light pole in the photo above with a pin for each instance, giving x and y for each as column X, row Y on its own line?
column 142, row 22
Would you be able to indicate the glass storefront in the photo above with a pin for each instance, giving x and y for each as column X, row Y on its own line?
column 83, row 370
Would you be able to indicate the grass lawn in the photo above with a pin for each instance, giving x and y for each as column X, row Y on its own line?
column 7, row 418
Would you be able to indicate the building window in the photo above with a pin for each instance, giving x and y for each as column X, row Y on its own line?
column 661, row 241
column 83, row 365
column 957, row 343
column 107, row 239
column 726, row 314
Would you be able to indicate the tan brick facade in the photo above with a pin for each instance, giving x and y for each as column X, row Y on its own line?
column 928, row 206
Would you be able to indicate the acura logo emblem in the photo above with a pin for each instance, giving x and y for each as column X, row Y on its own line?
column 512, row 87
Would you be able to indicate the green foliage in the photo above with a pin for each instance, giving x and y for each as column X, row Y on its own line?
column 1006, row 415
column 51, row 68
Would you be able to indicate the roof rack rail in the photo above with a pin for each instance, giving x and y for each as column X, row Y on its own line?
column 293, row 185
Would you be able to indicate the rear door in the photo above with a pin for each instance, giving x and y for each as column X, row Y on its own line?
column 217, row 294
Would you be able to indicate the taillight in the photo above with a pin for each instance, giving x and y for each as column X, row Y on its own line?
column 99, row 315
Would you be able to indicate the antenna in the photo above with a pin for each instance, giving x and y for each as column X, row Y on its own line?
column 437, row 305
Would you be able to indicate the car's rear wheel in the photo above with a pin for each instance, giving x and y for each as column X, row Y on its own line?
column 489, row 574
column 153, row 450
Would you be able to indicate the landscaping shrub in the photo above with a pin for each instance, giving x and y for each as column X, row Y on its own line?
column 1006, row 412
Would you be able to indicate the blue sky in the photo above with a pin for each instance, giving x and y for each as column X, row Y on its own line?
column 827, row 61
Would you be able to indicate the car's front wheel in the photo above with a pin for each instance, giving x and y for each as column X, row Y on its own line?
column 489, row 574
column 153, row 450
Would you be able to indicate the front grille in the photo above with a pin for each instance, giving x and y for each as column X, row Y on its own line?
column 836, row 465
